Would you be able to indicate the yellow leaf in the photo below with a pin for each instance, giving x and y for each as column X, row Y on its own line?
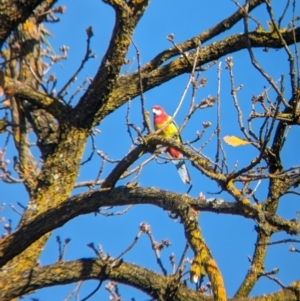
column 235, row 141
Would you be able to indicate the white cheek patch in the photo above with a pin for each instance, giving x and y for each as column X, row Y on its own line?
column 156, row 112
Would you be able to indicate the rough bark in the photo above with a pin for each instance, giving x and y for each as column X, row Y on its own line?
column 163, row 287
column 14, row 12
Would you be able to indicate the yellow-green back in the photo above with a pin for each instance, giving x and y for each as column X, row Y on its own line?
column 170, row 130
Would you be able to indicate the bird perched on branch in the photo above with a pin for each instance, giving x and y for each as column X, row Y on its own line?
column 170, row 130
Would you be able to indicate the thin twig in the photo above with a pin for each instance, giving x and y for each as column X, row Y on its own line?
column 156, row 247
column 105, row 157
column 101, row 169
column 131, row 245
column 296, row 104
column 62, row 249
column 128, row 122
column 58, row 240
column 15, row 210
column 181, row 261
column 145, row 114
column 283, row 241
column 271, row 277
column 258, row 24
column 183, row 94
column 74, row 291
column 92, row 152
column 229, row 66
column 115, row 213
column 257, row 66
column 170, row 38
column 218, row 129
column 284, row 13
column 80, row 88
column 36, row 77
column 198, row 137
column 173, row 263
column 206, row 142
column 87, row 56
column 94, row 291
column 288, row 51
column 255, row 188
column 293, row 192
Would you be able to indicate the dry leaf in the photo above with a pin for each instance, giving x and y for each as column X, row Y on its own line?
column 235, row 141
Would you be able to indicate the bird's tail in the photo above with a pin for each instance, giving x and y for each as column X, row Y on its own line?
column 182, row 170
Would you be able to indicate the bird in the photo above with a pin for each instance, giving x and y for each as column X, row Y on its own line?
column 171, row 131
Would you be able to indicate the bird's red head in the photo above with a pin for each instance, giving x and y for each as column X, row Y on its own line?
column 157, row 110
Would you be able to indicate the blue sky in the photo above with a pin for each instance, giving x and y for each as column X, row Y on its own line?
column 230, row 238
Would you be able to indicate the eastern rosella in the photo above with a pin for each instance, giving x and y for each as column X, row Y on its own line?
column 171, row 131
